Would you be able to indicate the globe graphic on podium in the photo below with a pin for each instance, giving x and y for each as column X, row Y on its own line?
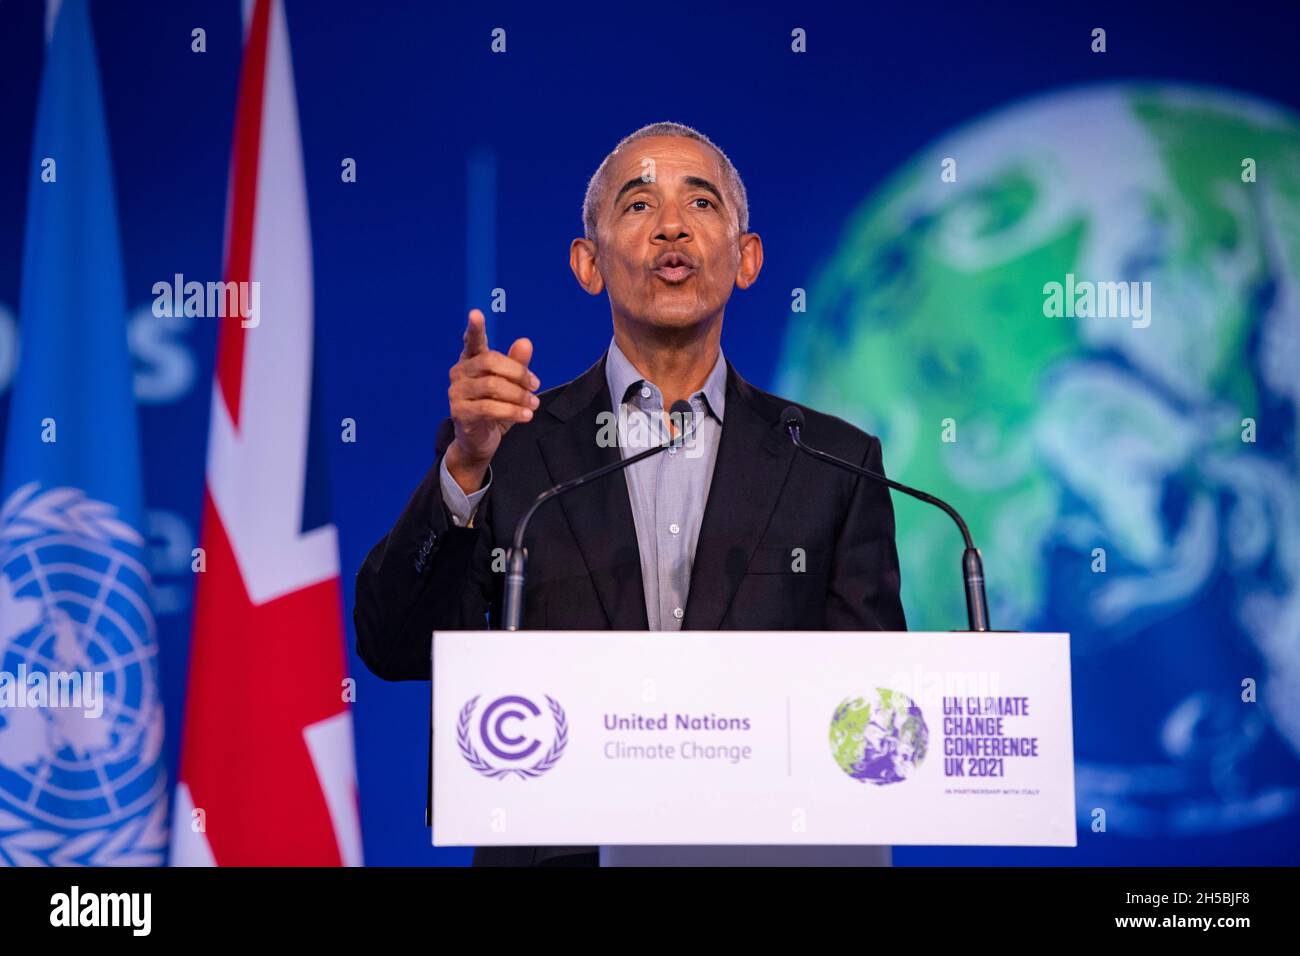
column 879, row 739
column 1132, row 480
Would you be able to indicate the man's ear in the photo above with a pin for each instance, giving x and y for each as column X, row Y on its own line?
column 582, row 260
column 751, row 260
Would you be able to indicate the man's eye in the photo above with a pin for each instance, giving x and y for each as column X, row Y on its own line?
column 708, row 202
column 639, row 202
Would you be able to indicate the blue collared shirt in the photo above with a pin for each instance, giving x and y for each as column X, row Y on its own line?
column 667, row 492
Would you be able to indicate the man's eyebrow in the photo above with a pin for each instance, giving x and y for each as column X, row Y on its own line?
column 696, row 181
column 705, row 184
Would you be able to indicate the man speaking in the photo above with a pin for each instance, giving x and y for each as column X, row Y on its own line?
column 733, row 531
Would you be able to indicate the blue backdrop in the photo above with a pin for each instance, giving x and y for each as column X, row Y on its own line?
column 470, row 174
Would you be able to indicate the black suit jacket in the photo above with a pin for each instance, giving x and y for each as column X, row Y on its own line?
column 584, row 567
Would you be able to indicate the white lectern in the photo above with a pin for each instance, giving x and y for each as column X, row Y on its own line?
column 774, row 747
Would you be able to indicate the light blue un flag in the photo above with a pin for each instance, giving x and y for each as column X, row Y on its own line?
column 81, row 773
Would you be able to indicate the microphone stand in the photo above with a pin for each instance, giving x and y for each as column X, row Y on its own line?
column 518, row 555
column 977, row 605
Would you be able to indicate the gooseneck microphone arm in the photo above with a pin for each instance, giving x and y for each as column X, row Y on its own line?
column 977, row 605
column 517, row 559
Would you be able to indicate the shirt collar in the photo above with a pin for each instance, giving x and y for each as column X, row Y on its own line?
column 621, row 375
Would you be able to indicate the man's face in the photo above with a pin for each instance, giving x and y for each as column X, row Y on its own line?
column 668, row 249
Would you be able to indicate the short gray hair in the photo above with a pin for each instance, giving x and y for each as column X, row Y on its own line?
column 596, row 185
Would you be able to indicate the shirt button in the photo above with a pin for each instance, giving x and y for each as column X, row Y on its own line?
column 645, row 392
column 673, row 529
column 678, row 613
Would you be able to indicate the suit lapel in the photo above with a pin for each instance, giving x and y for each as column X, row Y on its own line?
column 599, row 514
column 754, row 457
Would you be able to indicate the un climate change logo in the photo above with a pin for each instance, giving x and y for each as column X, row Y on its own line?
column 77, row 787
column 503, row 730
column 881, row 739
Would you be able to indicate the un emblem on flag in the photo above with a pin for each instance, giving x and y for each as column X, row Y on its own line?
column 81, row 779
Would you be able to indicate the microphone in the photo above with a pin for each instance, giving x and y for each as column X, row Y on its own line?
column 680, row 412
column 977, row 606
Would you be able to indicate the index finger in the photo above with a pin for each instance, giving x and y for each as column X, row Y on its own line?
column 475, row 335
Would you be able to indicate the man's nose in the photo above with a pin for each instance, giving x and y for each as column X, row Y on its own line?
column 671, row 225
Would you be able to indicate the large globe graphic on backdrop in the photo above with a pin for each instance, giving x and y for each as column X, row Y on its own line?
column 1104, row 466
